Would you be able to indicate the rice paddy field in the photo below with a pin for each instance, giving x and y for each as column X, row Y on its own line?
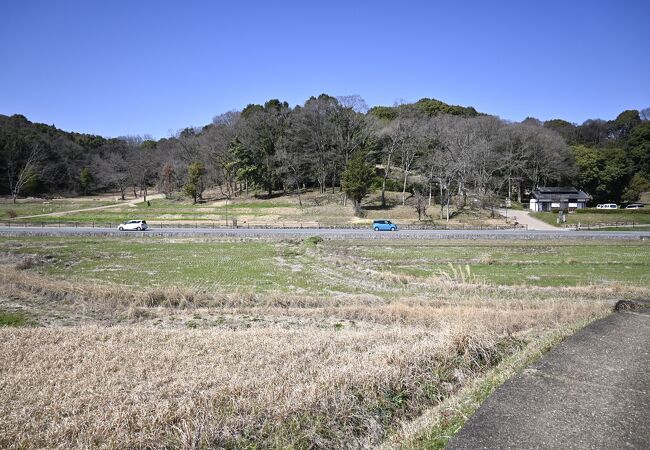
column 259, row 343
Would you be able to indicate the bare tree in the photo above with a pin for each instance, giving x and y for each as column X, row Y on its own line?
column 354, row 102
column 394, row 136
column 228, row 118
column 295, row 166
column 420, row 203
column 22, row 171
column 167, row 180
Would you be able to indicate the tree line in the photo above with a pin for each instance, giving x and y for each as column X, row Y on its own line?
column 612, row 157
column 428, row 150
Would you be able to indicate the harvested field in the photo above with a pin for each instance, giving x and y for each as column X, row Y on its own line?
column 355, row 356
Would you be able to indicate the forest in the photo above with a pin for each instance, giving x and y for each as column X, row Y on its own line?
column 427, row 149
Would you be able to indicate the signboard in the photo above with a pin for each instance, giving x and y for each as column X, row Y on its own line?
column 555, row 205
column 508, row 203
column 573, row 205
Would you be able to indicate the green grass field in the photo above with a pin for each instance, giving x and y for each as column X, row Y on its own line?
column 333, row 266
column 592, row 216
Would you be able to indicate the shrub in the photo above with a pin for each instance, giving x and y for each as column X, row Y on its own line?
column 313, row 240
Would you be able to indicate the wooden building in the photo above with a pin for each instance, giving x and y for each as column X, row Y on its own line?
column 558, row 198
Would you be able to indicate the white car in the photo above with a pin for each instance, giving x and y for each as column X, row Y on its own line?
column 607, row 206
column 133, row 225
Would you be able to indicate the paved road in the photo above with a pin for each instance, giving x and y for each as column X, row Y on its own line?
column 341, row 233
column 524, row 218
column 590, row 392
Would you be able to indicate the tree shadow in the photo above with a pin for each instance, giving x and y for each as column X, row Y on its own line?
column 379, row 207
column 266, row 196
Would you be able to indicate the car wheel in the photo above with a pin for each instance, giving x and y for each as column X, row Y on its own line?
column 138, row 229
column 393, row 229
column 376, row 228
column 121, row 228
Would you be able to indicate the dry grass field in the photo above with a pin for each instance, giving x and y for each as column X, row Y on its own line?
column 91, row 360
column 282, row 210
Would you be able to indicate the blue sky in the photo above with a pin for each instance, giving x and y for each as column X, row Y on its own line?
column 151, row 67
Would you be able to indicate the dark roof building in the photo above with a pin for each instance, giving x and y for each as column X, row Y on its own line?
column 556, row 198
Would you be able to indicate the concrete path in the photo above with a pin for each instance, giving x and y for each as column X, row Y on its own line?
column 590, row 392
column 524, row 218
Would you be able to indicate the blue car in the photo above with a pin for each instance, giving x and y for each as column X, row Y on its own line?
column 383, row 225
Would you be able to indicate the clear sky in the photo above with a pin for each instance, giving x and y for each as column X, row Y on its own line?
column 150, row 67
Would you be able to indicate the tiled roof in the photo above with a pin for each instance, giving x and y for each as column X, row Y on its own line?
column 559, row 194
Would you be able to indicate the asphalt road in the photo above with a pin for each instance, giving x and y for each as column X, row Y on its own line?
column 339, row 233
column 590, row 392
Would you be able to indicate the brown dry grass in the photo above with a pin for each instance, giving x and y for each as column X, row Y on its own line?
column 138, row 387
column 178, row 367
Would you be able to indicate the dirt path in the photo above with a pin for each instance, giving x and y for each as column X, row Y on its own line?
column 95, row 208
column 524, row 218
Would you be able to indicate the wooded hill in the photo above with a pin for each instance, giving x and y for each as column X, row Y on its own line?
column 424, row 148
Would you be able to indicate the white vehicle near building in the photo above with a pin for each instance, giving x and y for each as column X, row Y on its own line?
column 133, row 225
column 607, row 206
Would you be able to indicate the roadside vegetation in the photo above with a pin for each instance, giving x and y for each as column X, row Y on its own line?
column 599, row 217
column 294, row 343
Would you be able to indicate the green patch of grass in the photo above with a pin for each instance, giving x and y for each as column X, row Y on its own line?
column 586, row 217
column 313, row 240
column 14, row 319
column 634, row 228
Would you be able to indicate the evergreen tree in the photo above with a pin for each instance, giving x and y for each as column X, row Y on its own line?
column 356, row 180
column 194, row 186
column 85, row 180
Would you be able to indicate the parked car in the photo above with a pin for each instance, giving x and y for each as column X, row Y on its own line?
column 607, row 206
column 133, row 225
column 383, row 225
column 635, row 206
